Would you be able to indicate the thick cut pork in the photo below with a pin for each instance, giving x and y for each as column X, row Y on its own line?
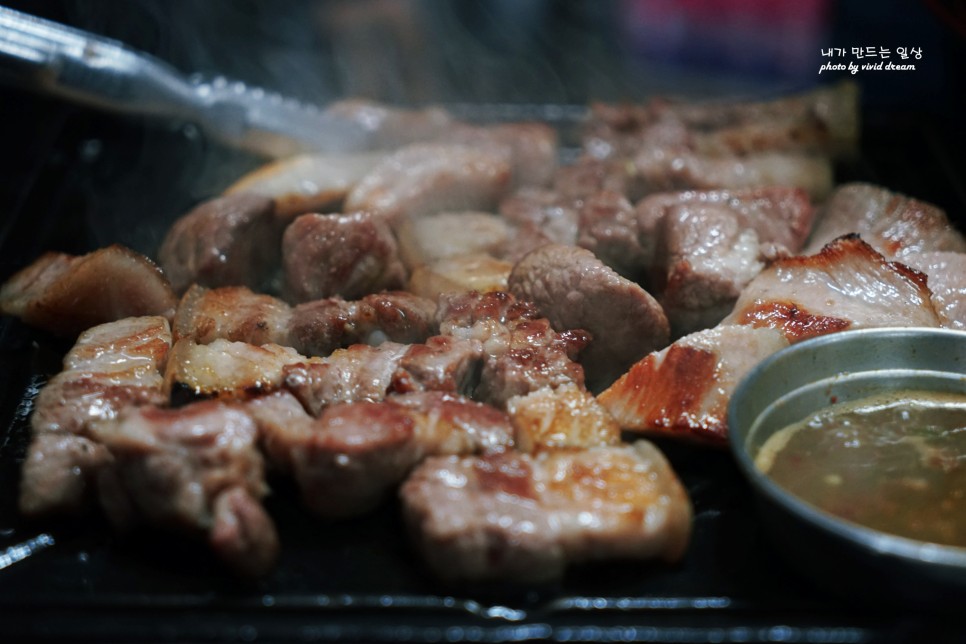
column 575, row 290
column 226, row 241
column 112, row 366
column 65, row 295
column 526, row 518
column 195, row 469
column 946, row 276
column 893, row 224
column 430, row 178
column 346, row 255
column 349, row 458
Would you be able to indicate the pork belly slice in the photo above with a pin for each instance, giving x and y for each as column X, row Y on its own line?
column 667, row 169
column 683, row 390
column 526, row 518
column 575, row 290
column 112, row 366
column 357, row 373
column 346, row 255
column 226, row 241
column 226, row 370
column 387, row 127
column 533, row 148
column 349, row 459
column 479, row 272
column 442, row 363
column 946, row 273
column 313, row 328
column 429, row 239
column 196, row 470
column 234, row 313
column 306, row 182
column 716, row 242
column 425, row 179
column 847, row 285
column 66, row 294
column 568, row 416
column 893, row 224
column 822, row 122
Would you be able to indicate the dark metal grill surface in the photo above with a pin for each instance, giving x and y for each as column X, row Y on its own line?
column 88, row 180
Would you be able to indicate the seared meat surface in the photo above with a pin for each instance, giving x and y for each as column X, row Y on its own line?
column 347, row 255
column 227, row 241
column 195, row 469
column 349, row 458
column 893, row 224
column 946, row 276
column 526, row 518
column 65, row 295
column 112, row 366
column 575, row 290
column 425, row 179
column 312, row 328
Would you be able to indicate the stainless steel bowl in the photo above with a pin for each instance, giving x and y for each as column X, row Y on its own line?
column 838, row 555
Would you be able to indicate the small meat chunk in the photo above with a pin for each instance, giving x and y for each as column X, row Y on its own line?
column 226, row 241
column 196, row 470
column 474, row 272
column 516, row 517
column 348, row 459
column 568, row 416
column 575, row 290
column 307, row 182
column 425, row 179
column 893, row 224
column 442, row 363
column 683, row 390
column 348, row 255
column 532, row 147
column 65, row 295
column 233, row 313
column 450, row 234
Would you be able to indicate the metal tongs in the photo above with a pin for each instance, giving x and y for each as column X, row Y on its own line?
column 106, row 74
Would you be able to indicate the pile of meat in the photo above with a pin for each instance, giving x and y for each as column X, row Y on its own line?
column 455, row 320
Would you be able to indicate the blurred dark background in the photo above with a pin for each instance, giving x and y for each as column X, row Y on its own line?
column 126, row 178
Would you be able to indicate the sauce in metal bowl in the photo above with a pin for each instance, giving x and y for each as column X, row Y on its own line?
column 894, row 462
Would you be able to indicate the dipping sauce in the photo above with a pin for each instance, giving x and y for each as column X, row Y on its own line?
column 895, row 462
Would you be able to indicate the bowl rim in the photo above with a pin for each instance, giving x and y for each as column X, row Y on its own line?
column 880, row 543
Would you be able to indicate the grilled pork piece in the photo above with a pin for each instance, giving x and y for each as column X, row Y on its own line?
column 521, row 351
column 715, row 242
column 542, row 215
column 358, row 373
column 458, row 274
column 575, row 290
column 65, row 294
column 307, row 182
column 430, row 178
column 823, row 122
column 226, row 241
column 893, row 224
column 195, row 469
column 442, row 363
column 847, row 285
column 567, row 416
column 388, row 127
column 347, row 255
column 947, row 282
column 226, row 370
column 684, row 389
column 532, row 148
column 512, row 516
column 347, row 460
column 435, row 237
column 112, row 366
column 313, row 328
